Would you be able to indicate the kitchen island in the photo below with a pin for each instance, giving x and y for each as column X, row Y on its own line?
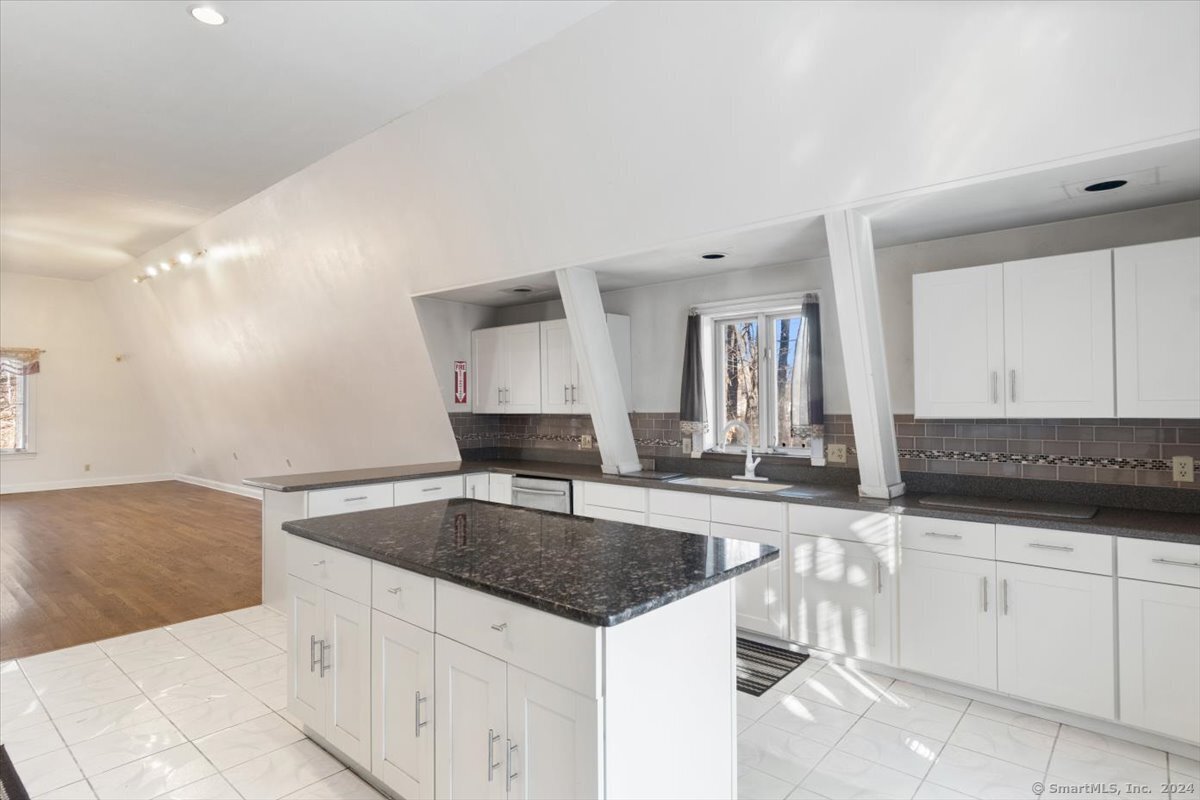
column 475, row 650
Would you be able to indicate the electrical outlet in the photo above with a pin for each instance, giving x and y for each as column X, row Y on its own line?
column 835, row 453
column 585, row 442
column 1183, row 469
column 686, row 444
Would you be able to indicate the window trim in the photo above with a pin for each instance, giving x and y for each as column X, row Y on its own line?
column 28, row 414
column 765, row 309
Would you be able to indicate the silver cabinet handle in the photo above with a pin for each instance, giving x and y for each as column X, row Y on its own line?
column 983, row 583
column 499, row 395
column 995, row 386
column 878, row 577
column 432, row 489
column 354, row 499
column 493, row 737
column 1012, row 385
column 507, row 395
column 313, row 658
column 566, row 394
column 500, row 627
column 417, row 711
column 944, row 535
column 574, row 393
column 1175, row 563
column 526, row 490
column 325, row 667
column 1004, row 596
column 320, row 563
column 395, row 590
column 511, row 776
column 1064, row 548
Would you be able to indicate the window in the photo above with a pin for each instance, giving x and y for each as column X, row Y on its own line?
column 17, row 374
column 767, row 376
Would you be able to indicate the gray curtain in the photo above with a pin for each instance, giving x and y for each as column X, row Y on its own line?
column 693, row 411
column 808, row 404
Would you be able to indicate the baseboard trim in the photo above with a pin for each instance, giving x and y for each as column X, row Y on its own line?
column 50, row 486
column 232, row 488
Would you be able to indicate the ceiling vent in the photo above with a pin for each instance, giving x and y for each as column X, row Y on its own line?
column 1130, row 180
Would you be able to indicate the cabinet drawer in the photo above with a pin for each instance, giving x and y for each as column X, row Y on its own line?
column 628, row 498
column 871, row 527
column 402, row 594
column 760, row 535
column 324, row 502
column 1162, row 562
column 614, row 514
column 340, row 572
column 691, row 505
column 950, row 536
column 1042, row 547
column 748, row 513
column 557, row 649
column 420, row 491
column 684, row 524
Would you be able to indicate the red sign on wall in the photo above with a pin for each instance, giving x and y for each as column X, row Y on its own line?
column 460, row 382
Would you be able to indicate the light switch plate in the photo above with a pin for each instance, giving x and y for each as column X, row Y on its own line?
column 835, row 453
column 1183, row 469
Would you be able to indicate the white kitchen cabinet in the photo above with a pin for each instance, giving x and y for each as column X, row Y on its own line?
column 469, row 722
column 329, row 667
column 402, row 681
column 1058, row 336
column 760, row 598
column 1160, row 657
column 552, row 747
column 477, row 487
column 1157, row 301
column 564, row 384
column 958, row 342
column 424, row 490
column 842, row 596
column 1055, row 637
column 947, row 616
column 500, row 488
column 508, row 369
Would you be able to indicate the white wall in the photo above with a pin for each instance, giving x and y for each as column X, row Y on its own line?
column 447, row 328
column 88, row 408
column 644, row 124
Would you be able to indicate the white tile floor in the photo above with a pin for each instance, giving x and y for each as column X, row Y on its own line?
column 196, row 710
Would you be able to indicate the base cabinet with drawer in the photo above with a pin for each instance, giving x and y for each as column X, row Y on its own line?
column 402, row 683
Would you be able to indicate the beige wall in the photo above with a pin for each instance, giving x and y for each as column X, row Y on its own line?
column 88, row 408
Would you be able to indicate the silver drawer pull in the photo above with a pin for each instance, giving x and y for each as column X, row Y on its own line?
column 526, row 490
column 512, row 776
column 501, row 627
column 432, row 489
column 419, row 723
column 313, row 658
column 1174, row 563
column 493, row 737
column 353, row 499
column 395, row 590
column 1061, row 547
column 983, row 580
column 944, row 535
column 320, row 563
column 325, row 648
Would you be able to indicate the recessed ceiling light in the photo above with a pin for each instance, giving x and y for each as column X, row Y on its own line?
column 165, row 267
column 185, row 258
column 520, row 290
column 1104, row 186
column 151, row 271
column 207, row 15
column 713, row 256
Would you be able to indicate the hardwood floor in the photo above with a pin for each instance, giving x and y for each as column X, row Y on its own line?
column 79, row 565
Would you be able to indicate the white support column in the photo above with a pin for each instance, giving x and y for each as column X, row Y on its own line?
column 593, row 350
column 856, row 292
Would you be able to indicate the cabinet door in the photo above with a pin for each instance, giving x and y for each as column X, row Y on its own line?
column 958, row 342
column 347, row 681
column 469, row 722
column 1055, row 637
column 760, row 601
column 490, row 365
column 553, row 749
column 841, row 596
column 477, row 487
column 1160, row 658
column 948, row 616
column 500, row 488
column 306, row 634
column 1058, row 336
column 559, row 371
column 402, row 682
column 1157, row 292
column 523, row 353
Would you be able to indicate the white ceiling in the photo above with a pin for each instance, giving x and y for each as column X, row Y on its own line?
column 124, row 123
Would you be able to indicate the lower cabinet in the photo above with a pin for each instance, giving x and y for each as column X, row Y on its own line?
column 504, row 733
column 1160, row 657
column 948, row 616
column 761, row 604
column 402, row 682
column 1055, row 636
column 842, row 596
column 329, row 669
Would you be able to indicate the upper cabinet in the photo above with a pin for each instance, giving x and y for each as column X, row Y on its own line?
column 532, row 369
column 1158, row 329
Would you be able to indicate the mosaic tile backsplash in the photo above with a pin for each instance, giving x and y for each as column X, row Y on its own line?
column 1133, row 452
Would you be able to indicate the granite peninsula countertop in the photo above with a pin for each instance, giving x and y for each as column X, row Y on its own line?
column 1132, row 523
column 592, row 571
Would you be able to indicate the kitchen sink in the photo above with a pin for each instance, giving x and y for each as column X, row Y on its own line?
column 729, row 483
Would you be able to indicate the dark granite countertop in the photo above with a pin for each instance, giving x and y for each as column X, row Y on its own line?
column 1133, row 523
column 592, row 571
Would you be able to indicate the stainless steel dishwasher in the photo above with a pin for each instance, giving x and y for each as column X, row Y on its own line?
column 545, row 494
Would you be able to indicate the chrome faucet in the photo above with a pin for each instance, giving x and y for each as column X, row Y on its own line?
column 751, row 462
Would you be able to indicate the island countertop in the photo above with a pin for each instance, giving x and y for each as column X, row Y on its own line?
column 592, row 571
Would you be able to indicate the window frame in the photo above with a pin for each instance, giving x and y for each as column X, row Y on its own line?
column 763, row 310
column 27, row 421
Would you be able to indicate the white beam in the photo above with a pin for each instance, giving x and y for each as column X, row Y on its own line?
column 594, row 352
column 856, row 292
